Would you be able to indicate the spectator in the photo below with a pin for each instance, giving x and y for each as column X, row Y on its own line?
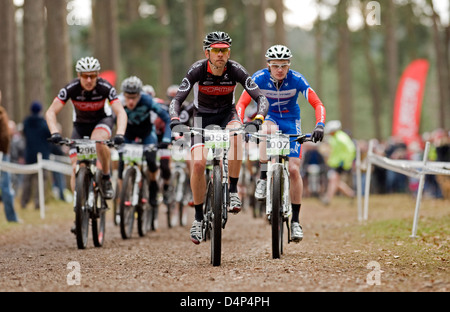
column 36, row 133
column 340, row 161
column 396, row 182
column 17, row 152
column 5, row 177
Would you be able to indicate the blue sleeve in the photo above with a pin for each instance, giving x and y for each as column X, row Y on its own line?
column 164, row 115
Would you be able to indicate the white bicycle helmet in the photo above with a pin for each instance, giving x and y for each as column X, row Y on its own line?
column 87, row 64
column 132, row 85
column 149, row 90
column 278, row 52
column 332, row 126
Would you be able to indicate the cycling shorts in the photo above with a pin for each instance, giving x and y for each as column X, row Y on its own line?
column 202, row 120
column 289, row 126
column 82, row 130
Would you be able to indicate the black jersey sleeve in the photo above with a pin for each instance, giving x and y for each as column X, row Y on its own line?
column 251, row 87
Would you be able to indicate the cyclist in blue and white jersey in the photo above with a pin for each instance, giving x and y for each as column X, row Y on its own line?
column 281, row 86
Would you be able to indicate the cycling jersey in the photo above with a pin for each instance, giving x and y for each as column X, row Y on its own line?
column 139, row 120
column 283, row 99
column 89, row 106
column 215, row 94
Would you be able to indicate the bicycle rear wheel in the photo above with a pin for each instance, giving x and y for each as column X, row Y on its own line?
column 126, row 204
column 277, row 214
column 144, row 209
column 82, row 187
column 216, row 233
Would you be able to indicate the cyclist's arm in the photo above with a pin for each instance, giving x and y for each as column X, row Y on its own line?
column 122, row 118
column 50, row 116
column 315, row 102
column 164, row 115
column 254, row 91
column 242, row 104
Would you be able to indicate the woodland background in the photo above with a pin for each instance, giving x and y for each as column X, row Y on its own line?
column 354, row 71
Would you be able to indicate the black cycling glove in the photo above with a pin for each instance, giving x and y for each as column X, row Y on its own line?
column 317, row 134
column 119, row 139
column 253, row 126
column 56, row 138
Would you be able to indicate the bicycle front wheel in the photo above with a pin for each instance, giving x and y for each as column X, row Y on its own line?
column 144, row 213
column 127, row 208
column 216, row 239
column 98, row 215
column 82, row 186
column 277, row 214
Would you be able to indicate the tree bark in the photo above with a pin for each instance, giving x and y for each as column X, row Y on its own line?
column 34, row 46
column 7, row 52
column 344, row 68
column 59, row 57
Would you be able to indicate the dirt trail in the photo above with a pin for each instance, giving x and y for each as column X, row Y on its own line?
column 332, row 257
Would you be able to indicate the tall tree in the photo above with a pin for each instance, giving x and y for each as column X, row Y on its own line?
column 59, row 56
column 280, row 33
column 165, row 76
column 391, row 54
column 7, row 53
column 373, row 81
column 105, row 34
column 344, row 68
column 442, row 67
column 34, row 46
column 191, row 46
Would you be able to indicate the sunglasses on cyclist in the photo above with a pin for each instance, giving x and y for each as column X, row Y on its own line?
column 86, row 76
column 279, row 66
column 217, row 50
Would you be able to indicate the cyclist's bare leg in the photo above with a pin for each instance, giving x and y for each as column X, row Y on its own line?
column 235, row 154
column 198, row 181
column 103, row 152
column 296, row 182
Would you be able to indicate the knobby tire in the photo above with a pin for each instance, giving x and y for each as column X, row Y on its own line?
column 277, row 217
column 82, row 185
column 216, row 240
column 126, row 204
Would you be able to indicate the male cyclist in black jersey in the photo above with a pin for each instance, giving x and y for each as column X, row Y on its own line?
column 214, row 81
column 93, row 117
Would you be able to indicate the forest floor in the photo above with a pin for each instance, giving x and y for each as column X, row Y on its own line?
column 338, row 253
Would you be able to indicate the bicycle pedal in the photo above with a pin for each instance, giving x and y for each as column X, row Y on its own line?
column 127, row 203
column 144, row 201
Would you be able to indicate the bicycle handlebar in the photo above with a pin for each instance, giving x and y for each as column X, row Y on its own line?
column 69, row 141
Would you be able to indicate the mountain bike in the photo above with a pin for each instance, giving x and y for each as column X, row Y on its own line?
column 278, row 203
column 89, row 204
column 134, row 195
column 180, row 184
column 217, row 196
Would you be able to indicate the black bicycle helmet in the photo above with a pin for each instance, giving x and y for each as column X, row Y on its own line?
column 216, row 37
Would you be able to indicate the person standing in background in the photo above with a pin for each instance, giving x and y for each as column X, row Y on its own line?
column 5, row 177
column 36, row 133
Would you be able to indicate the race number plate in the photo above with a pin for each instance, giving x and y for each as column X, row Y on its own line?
column 217, row 138
column 86, row 151
column 278, row 145
column 132, row 153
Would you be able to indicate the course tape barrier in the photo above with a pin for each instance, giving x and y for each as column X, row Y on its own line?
column 411, row 168
column 59, row 164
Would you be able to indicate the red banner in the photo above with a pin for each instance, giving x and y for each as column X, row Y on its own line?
column 408, row 101
column 109, row 76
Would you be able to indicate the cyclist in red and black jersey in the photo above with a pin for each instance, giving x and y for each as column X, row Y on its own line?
column 94, row 101
column 214, row 80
